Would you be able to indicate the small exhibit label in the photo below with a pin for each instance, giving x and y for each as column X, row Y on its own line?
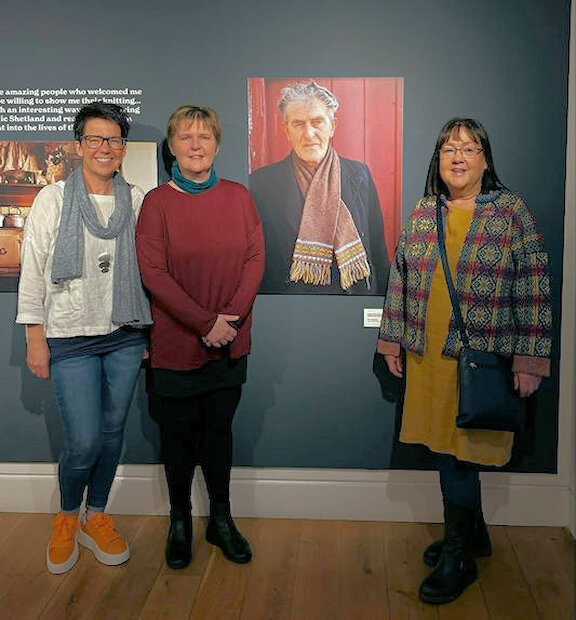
column 372, row 317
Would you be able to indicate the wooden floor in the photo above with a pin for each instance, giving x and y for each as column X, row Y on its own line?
column 301, row 570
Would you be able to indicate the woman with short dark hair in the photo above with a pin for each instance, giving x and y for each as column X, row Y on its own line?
column 81, row 299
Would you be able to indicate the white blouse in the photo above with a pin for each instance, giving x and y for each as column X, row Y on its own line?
column 78, row 307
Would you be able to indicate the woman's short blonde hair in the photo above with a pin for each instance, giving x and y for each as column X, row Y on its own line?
column 191, row 113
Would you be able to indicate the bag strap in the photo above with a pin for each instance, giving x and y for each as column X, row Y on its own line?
column 448, row 275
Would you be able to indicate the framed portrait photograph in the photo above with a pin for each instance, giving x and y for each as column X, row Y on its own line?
column 325, row 170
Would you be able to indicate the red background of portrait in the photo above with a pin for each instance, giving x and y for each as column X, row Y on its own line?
column 369, row 130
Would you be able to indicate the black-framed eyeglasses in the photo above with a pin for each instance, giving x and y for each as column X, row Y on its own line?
column 95, row 142
column 468, row 152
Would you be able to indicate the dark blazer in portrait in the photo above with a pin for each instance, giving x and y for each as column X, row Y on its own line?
column 280, row 205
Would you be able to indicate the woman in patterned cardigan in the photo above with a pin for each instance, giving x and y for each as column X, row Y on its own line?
column 500, row 271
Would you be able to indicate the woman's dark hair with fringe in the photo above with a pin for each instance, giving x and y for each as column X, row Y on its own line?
column 490, row 181
column 101, row 109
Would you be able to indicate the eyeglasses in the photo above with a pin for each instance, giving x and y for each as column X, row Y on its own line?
column 468, row 152
column 95, row 142
column 104, row 262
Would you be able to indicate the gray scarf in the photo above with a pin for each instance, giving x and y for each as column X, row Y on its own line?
column 129, row 303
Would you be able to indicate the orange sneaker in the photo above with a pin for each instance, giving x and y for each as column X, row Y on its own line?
column 100, row 535
column 62, row 551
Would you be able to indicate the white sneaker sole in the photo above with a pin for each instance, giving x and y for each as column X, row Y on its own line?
column 58, row 569
column 110, row 559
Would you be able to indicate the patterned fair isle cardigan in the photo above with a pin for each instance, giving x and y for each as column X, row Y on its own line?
column 502, row 283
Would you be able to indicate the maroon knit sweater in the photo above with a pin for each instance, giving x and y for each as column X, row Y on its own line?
column 200, row 255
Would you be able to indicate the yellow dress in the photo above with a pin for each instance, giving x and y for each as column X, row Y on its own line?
column 431, row 399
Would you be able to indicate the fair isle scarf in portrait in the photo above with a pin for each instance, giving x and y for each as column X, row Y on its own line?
column 327, row 229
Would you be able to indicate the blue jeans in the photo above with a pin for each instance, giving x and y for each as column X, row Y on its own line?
column 93, row 393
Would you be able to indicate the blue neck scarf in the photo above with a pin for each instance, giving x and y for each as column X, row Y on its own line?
column 189, row 186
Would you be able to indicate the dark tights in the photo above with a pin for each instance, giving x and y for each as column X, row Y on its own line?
column 198, row 430
column 459, row 481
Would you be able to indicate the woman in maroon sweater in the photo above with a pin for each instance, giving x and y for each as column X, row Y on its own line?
column 201, row 254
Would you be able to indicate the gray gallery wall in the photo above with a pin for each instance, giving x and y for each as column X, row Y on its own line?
column 311, row 399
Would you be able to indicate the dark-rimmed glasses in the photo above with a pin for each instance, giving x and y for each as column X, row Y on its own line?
column 95, row 142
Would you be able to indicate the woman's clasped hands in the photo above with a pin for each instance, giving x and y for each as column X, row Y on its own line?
column 222, row 333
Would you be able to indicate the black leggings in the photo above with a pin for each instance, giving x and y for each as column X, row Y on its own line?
column 459, row 481
column 198, row 430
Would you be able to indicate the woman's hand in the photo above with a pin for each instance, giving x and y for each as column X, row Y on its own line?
column 395, row 365
column 526, row 384
column 37, row 351
column 222, row 333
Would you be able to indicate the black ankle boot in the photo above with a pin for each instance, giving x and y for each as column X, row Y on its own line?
column 222, row 532
column 179, row 542
column 481, row 546
column 456, row 568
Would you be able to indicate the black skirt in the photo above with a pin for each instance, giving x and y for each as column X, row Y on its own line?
column 215, row 375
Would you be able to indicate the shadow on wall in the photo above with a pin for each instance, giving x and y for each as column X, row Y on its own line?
column 142, row 436
column 259, row 395
column 36, row 395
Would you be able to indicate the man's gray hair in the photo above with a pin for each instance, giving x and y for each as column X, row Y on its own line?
column 304, row 91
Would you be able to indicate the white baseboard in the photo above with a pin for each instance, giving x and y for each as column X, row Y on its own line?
column 412, row 496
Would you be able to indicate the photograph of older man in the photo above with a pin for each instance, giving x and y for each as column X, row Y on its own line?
column 320, row 211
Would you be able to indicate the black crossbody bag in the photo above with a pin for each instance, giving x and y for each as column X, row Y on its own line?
column 487, row 399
